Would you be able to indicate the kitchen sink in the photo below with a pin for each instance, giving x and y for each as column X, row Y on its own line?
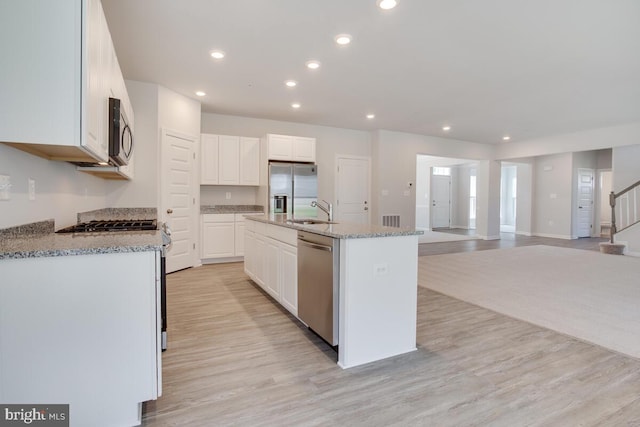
column 309, row 221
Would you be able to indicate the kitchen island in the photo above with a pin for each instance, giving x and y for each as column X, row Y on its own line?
column 377, row 287
column 80, row 321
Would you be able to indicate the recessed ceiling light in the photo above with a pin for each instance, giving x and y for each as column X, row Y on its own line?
column 343, row 39
column 506, row 138
column 295, row 105
column 217, row 54
column 291, row 83
column 313, row 64
column 371, row 116
column 387, row 4
column 200, row 93
column 446, row 128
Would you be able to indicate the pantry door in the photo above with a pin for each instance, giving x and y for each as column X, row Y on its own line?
column 353, row 192
column 178, row 198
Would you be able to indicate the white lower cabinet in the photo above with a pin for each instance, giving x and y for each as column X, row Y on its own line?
column 271, row 261
column 289, row 277
column 222, row 235
column 218, row 236
column 69, row 333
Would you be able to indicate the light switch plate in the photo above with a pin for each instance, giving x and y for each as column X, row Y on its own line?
column 5, row 186
column 32, row 189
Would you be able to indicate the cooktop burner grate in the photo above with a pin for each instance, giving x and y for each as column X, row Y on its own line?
column 111, row 225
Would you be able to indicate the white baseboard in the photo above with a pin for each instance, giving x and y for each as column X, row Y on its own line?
column 222, row 260
column 524, row 233
column 489, row 237
column 553, row 236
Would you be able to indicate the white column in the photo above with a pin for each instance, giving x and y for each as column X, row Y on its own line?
column 488, row 200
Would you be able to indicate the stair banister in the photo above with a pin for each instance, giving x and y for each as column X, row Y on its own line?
column 613, row 196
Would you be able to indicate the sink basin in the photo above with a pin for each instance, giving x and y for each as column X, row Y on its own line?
column 309, row 221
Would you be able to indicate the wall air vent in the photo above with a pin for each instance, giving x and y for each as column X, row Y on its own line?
column 391, row 220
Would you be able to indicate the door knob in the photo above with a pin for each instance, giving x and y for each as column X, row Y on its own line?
column 169, row 211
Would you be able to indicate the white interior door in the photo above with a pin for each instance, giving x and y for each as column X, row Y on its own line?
column 353, row 190
column 440, row 201
column 177, row 204
column 585, row 202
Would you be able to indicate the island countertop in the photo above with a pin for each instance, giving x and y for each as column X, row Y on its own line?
column 338, row 230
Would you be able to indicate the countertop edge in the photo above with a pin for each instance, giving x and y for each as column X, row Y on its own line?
column 376, row 231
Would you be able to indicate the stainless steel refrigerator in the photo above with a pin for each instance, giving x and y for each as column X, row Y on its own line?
column 297, row 185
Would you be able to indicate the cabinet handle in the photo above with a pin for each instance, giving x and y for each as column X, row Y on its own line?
column 169, row 211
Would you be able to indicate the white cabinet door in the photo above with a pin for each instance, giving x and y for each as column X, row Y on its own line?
column 51, row 81
column 272, row 268
column 249, row 253
column 289, row 278
column 96, row 49
column 229, row 153
column 239, row 238
column 218, row 237
column 304, row 149
column 249, row 161
column 209, row 159
column 280, row 147
column 259, row 251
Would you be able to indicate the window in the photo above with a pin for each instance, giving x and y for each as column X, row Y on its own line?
column 472, row 199
column 438, row 170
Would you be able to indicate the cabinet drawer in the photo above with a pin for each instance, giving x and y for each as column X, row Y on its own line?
column 218, row 218
column 283, row 234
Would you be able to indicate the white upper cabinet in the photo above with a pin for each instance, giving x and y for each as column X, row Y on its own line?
column 209, row 159
column 53, row 87
column 304, row 149
column 291, row 148
column 249, row 161
column 229, row 160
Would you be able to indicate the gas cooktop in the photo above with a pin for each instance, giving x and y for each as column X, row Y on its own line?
column 111, row 225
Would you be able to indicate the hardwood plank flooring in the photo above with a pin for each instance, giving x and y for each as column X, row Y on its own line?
column 235, row 358
column 507, row 240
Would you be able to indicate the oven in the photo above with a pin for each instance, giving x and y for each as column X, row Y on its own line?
column 136, row 225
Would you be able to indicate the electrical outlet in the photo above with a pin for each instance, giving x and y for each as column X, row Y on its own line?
column 5, row 186
column 380, row 269
column 228, row 195
column 32, row 189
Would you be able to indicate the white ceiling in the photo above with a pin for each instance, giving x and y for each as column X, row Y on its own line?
column 486, row 68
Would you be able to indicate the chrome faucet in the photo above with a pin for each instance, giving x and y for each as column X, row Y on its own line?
column 328, row 210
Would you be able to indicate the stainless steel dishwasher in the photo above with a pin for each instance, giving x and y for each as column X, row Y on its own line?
column 318, row 284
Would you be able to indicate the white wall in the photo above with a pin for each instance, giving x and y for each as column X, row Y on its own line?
column 143, row 190
column 394, row 165
column 217, row 195
column 329, row 142
column 61, row 191
column 595, row 139
column 155, row 108
column 525, row 194
column 552, row 196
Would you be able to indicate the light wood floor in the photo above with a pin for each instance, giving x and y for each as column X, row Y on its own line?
column 236, row 358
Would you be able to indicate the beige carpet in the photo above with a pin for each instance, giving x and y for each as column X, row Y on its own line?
column 430, row 236
column 585, row 294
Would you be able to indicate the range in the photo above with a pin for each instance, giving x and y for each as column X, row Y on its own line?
column 119, row 225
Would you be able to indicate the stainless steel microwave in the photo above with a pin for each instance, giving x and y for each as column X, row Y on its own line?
column 120, row 134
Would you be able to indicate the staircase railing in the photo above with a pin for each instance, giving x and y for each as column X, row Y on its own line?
column 627, row 205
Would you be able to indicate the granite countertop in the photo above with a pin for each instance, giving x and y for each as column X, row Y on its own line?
column 339, row 230
column 38, row 240
column 228, row 209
